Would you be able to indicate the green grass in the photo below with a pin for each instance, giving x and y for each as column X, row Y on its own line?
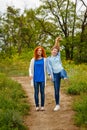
column 77, row 87
column 18, row 66
column 13, row 104
column 15, row 68
column 80, row 106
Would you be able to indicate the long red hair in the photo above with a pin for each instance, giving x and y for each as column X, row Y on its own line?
column 43, row 52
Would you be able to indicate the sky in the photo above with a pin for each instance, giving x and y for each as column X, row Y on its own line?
column 20, row 4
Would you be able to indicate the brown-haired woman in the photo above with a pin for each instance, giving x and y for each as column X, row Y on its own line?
column 56, row 71
column 37, row 73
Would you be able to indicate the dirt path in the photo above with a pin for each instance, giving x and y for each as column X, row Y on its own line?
column 48, row 119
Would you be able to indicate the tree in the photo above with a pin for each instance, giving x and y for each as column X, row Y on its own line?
column 62, row 13
column 9, row 28
column 82, row 51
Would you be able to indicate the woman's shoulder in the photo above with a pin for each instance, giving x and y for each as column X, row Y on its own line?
column 48, row 58
column 45, row 59
column 32, row 60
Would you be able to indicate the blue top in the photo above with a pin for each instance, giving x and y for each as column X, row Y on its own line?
column 55, row 62
column 39, row 75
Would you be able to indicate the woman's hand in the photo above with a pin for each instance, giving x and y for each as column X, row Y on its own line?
column 58, row 39
column 30, row 77
column 50, row 77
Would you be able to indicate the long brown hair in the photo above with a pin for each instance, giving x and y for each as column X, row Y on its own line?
column 43, row 52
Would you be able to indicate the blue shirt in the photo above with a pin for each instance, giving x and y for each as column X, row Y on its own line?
column 54, row 64
column 39, row 75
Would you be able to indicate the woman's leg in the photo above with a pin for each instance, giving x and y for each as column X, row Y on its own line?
column 36, row 93
column 57, row 81
column 42, row 88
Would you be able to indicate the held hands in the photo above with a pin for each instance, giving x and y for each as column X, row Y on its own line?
column 50, row 77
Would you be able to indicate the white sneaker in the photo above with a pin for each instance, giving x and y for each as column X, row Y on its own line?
column 42, row 109
column 57, row 108
column 37, row 108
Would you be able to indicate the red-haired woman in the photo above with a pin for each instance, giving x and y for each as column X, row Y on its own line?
column 37, row 73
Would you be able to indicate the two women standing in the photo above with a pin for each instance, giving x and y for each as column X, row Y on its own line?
column 37, row 71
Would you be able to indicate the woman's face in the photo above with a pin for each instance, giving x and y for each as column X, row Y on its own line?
column 39, row 52
column 54, row 52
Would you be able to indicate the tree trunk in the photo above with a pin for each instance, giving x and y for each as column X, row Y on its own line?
column 67, row 52
column 71, row 57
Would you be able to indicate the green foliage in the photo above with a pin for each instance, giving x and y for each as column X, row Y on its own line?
column 16, row 65
column 11, row 119
column 80, row 53
column 78, row 82
column 27, row 54
column 80, row 106
column 40, row 27
column 77, row 88
column 13, row 105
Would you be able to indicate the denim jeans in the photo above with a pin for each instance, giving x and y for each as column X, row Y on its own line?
column 39, row 86
column 57, row 80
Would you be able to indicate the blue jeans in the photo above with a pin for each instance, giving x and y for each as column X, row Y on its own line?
column 37, row 86
column 57, row 80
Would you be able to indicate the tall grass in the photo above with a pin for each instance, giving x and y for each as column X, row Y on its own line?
column 13, row 105
column 78, row 86
column 80, row 106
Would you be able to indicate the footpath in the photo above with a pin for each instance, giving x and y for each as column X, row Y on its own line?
column 48, row 119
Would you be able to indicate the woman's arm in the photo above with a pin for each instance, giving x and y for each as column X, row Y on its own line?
column 31, row 68
column 49, row 68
